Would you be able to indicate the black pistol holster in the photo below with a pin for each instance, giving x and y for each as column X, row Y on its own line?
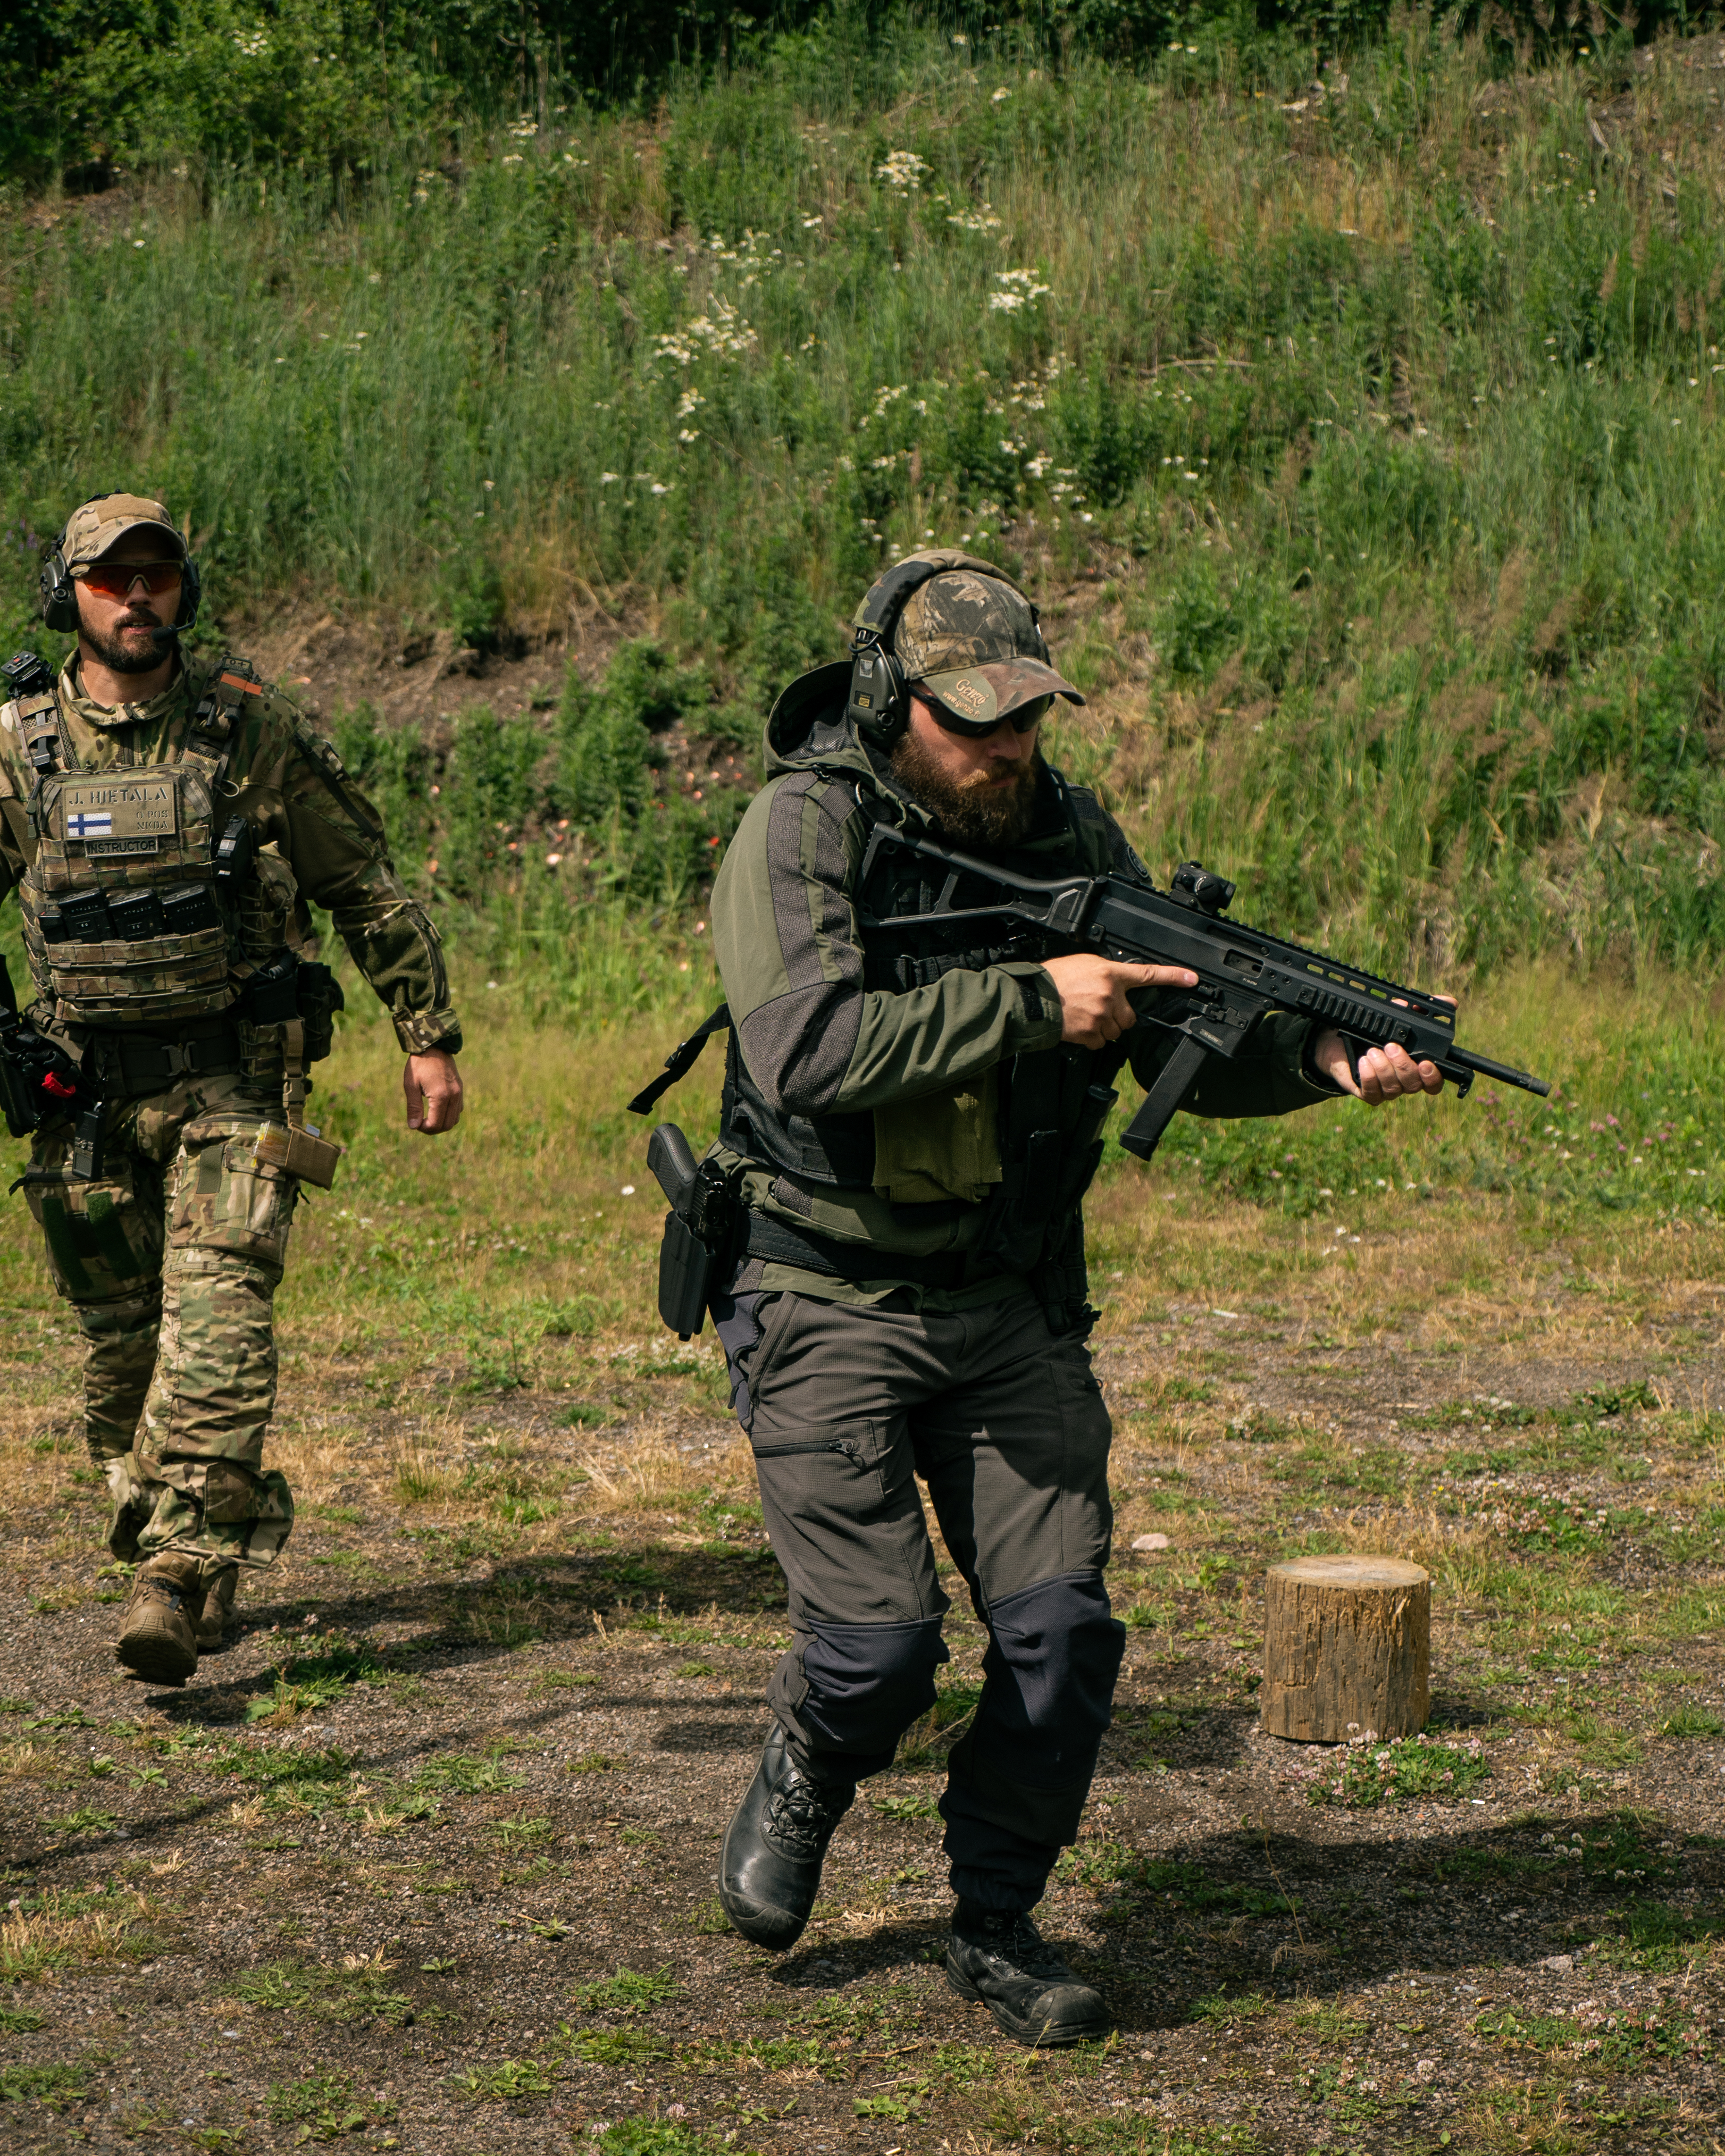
column 698, row 1230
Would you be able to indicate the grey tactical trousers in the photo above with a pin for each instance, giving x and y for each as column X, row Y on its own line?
column 846, row 1407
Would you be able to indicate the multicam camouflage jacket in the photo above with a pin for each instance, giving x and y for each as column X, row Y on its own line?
column 111, row 822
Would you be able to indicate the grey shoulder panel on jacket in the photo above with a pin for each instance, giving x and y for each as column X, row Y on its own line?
column 1099, row 827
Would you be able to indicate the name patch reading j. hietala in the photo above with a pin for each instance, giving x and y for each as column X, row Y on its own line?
column 102, row 809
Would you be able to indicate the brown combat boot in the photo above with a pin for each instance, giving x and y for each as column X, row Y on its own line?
column 218, row 1609
column 159, row 1641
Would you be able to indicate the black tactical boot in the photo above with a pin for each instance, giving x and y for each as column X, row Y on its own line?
column 999, row 1956
column 158, row 1639
column 770, row 1870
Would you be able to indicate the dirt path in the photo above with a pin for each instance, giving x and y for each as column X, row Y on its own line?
column 450, row 1885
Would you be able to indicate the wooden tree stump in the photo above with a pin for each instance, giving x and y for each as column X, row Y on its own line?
column 1346, row 1641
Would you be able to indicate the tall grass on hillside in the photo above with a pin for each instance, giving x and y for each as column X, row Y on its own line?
column 588, row 795
column 1373, row 423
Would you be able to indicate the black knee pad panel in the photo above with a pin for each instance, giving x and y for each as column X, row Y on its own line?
column 1053, row 1660
column 868, row 1683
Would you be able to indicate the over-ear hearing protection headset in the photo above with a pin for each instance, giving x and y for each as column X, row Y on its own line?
column 879, row 703
column 59, row 590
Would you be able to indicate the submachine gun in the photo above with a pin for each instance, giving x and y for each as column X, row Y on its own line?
column 1242, row 972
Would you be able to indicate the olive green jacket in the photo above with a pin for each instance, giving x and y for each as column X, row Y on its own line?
column 818, row 1042
column 289, row 784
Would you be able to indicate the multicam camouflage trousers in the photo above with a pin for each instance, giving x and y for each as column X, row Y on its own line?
column 170, row 1262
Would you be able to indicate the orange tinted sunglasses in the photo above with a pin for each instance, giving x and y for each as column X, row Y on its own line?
column 114, row 580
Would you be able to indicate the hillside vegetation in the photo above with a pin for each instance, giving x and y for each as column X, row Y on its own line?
column 1359, row 434
column 330, row 87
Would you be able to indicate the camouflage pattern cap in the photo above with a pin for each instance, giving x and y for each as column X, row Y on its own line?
column 970, row 641
column 97, row 525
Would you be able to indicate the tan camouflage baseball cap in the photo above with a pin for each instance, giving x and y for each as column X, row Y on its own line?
column 970, row 641
column 103, row 523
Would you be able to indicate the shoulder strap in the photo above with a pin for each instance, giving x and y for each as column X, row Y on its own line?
column 224, row 698
column 681, row 1060
column 40, row 731
column 33, row 710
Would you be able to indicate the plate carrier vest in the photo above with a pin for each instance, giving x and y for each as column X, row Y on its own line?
column 128, row 920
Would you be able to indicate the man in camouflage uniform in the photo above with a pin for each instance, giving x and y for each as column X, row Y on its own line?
column 911, row 1114
column 166, row 821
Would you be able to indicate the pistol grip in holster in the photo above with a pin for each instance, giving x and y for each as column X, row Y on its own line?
column 697, row 1229
column 686, row 1267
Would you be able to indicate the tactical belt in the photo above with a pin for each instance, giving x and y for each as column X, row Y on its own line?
column 784, row 1245
column 129, row 1063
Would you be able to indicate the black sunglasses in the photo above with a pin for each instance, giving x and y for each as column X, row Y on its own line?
column 1021, row 720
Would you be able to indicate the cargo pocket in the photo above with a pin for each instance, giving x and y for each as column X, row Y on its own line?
column 100, row 1245
column 226, row 1198
column 851, row 1447
column 843, row 1509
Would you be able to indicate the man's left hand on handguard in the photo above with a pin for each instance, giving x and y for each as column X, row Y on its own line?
column 1385, row 1074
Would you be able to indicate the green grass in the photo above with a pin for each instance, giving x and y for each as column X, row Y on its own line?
column 1324, row 2022
column 1223, row 2009
column 630, row 1992
column 316, row 86
column 510, row 2080
column 1400, row 485
column 907, row 1807
column 611, row 2047
column 1621, row 2041
column 1370, row 1774
column 1692, row 1721
column 1416, row 765
column 305, row 1683
column 53, row 2086
column 465, row 1774
column 357, row 1994
column 323, row 2104
column 86, row 1820
column 647, row 2136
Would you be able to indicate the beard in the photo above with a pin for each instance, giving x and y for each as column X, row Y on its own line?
column 976, row 811
column 122, row 656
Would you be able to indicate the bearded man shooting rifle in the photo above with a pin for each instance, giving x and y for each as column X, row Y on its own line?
column 912, row 1109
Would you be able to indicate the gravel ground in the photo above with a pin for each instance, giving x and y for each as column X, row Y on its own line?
column 451, row 1885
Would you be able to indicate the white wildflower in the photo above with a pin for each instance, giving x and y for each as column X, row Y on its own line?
column 903, row 169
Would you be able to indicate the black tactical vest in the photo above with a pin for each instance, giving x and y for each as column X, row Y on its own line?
column 1053, row 1103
